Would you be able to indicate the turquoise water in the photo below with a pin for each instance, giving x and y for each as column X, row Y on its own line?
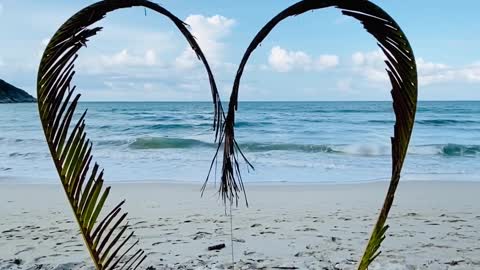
column 285, row 141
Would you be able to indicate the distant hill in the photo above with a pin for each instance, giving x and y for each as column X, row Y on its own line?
column 12, row 94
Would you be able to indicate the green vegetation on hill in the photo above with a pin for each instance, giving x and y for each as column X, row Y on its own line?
column 12, row 94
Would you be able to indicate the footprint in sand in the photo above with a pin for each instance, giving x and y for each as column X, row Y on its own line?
column 306, row 230
column 200, row 235
column 24, row 250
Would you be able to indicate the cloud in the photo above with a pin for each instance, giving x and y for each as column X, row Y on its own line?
column 170, row 88
column 368, row 58
column 326, row 61
column 209, row 33
column 429, row 67
column 120, row 62
column 137, row 75
column 126, row 59
column 471, row 72
column 281, row 60
column 371, row 66
column 160, row 73
column 434, row 73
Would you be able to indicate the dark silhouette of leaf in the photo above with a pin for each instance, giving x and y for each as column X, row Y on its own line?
column 401, row 69
column 71, row 150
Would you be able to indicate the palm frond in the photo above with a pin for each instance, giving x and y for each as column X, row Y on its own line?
column 107, row 241
column 401, row 69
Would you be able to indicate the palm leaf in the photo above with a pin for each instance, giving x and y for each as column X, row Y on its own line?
column 401, row 69
column 107, row 240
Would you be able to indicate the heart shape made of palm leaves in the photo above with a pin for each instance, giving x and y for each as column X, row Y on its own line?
column 109, row 245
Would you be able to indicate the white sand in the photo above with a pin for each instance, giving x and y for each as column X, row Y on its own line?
column 434, row 225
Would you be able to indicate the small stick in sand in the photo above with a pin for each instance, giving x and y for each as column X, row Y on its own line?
column 216, row 247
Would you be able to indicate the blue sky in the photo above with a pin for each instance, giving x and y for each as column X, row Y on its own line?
column 321, row 55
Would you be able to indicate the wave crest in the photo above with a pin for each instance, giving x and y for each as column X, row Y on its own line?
column 447, row 150
column 455, row 150
column 308, row 148
column 445, row 122
column 166, row 143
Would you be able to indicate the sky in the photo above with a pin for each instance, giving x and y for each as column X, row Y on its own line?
column 320, row 55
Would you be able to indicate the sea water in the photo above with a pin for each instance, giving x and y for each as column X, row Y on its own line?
column 314, row 142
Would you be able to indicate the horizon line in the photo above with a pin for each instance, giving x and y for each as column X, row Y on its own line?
column 278, row 101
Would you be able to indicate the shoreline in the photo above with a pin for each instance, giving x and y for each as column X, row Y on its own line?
column 465, row 179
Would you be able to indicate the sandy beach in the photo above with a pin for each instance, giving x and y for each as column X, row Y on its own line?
column 434, row 225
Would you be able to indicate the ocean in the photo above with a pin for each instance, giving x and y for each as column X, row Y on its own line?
column 311, row 142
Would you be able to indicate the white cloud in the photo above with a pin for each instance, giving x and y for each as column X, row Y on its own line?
column 429, row 67
column 209, row 32
column 125, row 59
column 327, row 61
column 371, row 65
column 186, row 60
column 375, row 74
column 433, row 73
column 358, row 58
column 372, row 58
column 150, row 57
column 472, row 72
column 282, row 60
column 122, row 60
